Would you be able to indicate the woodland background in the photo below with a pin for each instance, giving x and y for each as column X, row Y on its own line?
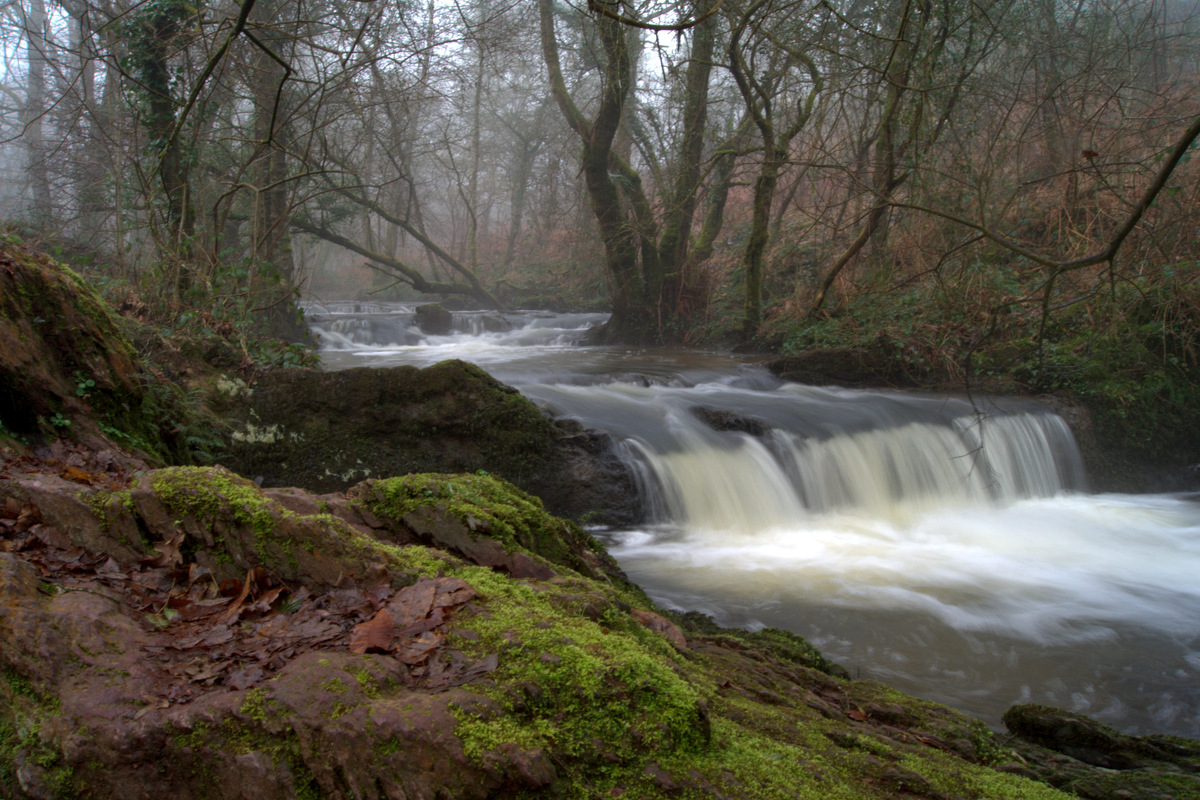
column 997, row 187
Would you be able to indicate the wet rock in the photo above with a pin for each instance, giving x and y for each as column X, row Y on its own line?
column 434, row 319
column 660, row 624
column 494, row 323
column 1080, row 755
column 856, row 368
column 413, row 674
column 724, row 420
column 487, row 522
column 326, row 431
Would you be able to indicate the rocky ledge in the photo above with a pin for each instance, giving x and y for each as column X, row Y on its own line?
column 325, row 431
column 183, row 632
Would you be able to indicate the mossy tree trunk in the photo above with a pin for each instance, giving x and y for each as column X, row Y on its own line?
column 154, row 31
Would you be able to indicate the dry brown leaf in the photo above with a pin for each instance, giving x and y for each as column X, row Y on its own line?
column 29, row 516
column 413, row 603
column 79, row 476
column 235, row 608
column 417, row 651
column 434, row 620
column 263, row 604
column 167, row 552
column 11, row 508
column 452, row 592
column 374, row 635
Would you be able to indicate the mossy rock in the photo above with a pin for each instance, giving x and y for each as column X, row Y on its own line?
column 492, row 508
column 326, row 431
column 570, row 694
column 69, row 369
column 62, row 357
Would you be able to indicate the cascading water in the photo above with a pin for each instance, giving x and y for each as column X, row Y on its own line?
column 944, row 545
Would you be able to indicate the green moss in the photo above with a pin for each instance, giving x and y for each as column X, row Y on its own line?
column 23, row 711
column 255, row 705
column 368, row 684
column 214, row 497
column 204, row 493
column 488, row 506
column 568, row 682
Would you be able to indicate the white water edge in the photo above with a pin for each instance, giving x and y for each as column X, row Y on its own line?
column 945, row 547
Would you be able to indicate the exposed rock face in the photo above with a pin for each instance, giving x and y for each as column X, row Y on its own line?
column 856, row 368
column 325, row 431
column 342, row 662
column 63, row 361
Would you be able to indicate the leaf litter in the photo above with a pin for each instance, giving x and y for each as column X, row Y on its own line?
column 203, row 636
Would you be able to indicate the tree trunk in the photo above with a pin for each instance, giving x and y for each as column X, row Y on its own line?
column 34, row 114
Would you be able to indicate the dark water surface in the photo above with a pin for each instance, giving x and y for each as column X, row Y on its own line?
column 944, row 547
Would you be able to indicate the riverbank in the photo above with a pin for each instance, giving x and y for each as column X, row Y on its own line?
column 410, row 638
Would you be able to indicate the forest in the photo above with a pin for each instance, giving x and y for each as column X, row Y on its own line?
column 996, row 187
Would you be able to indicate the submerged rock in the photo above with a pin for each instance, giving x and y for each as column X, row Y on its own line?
column 720, row 419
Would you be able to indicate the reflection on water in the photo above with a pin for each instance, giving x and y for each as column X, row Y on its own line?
column 946, row 547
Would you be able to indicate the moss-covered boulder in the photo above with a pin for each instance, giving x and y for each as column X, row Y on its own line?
column 326, row 431
column 486, row 520
column 411, row 673
column 65, row 367
column 1088, row 759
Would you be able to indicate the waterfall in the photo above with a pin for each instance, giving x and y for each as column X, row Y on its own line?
column 943, row 544
column 721, row 457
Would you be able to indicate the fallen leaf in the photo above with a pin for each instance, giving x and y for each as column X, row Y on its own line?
column 375, row 635
column 263, row 604
column 29, row 516
column 413, row 603
column 452, row 592
column 417, row 651
column 78, row 476
column 235, row 608
column 11, row 508
column 434, row 620
column 167, row 552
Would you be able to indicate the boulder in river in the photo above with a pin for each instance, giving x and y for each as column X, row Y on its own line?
column 434, row 319
column 325, row 431
column 1081, row 756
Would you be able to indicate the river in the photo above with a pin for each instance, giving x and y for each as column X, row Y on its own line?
column 947, row 547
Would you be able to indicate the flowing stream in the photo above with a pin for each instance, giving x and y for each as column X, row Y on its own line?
column 945, row 546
